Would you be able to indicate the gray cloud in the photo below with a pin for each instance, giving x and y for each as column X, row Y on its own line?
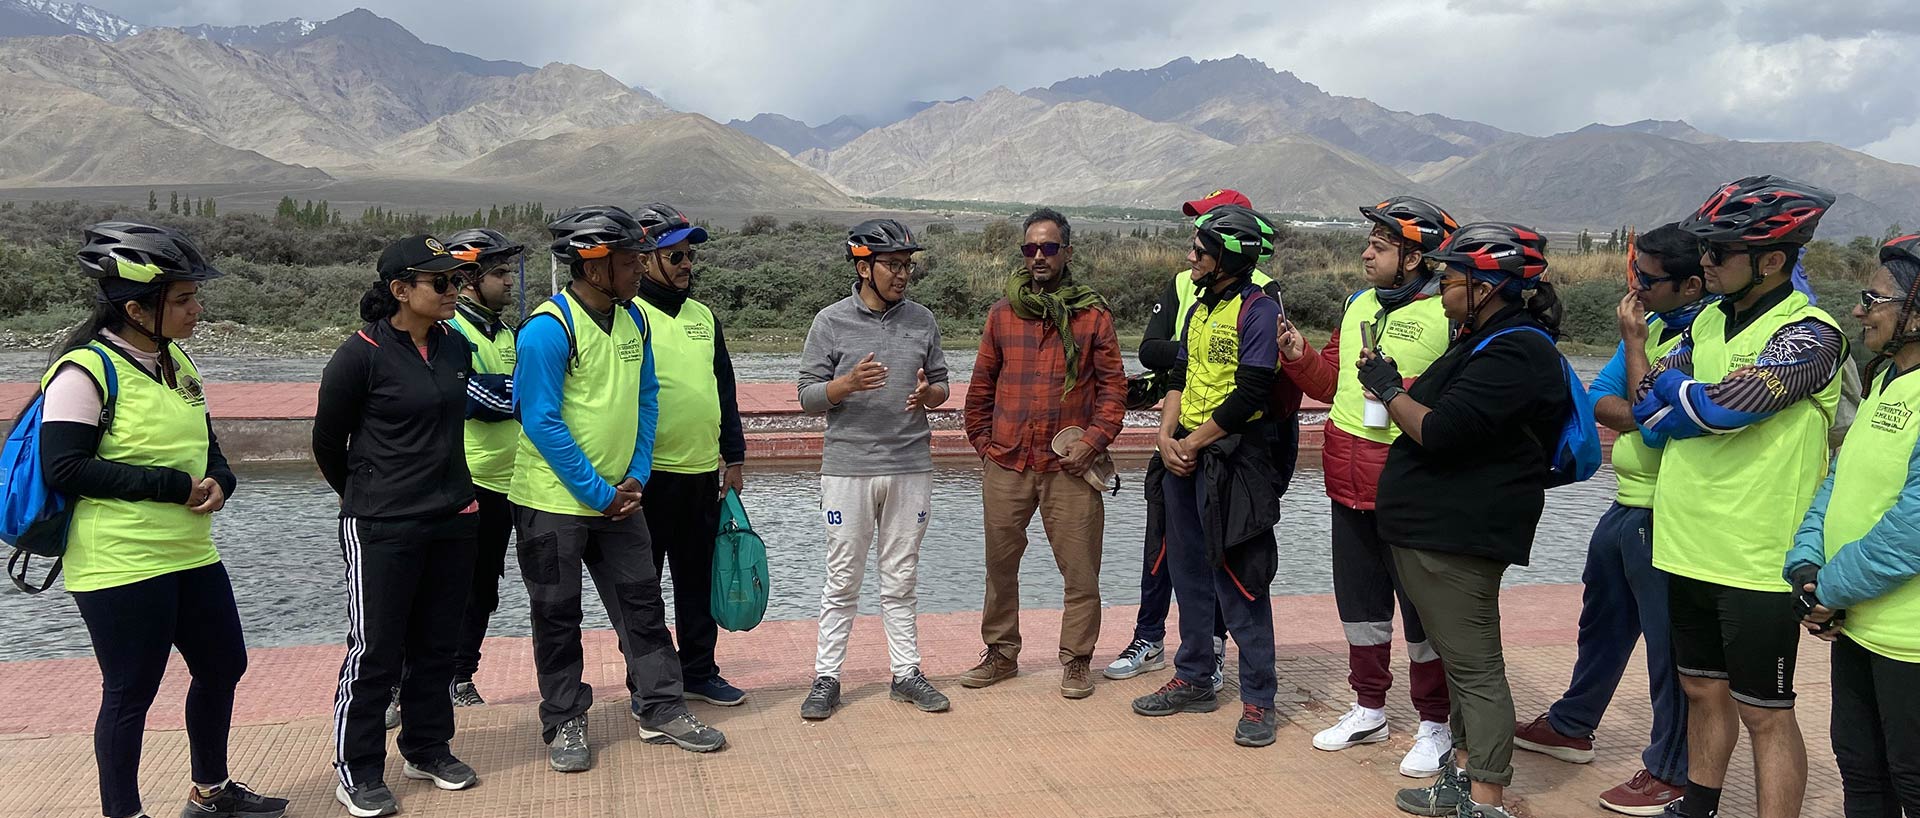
column 1756, row 69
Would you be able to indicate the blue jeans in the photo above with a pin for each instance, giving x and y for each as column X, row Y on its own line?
column 1156, row 578
column 1625, row 598
column 1203, row 590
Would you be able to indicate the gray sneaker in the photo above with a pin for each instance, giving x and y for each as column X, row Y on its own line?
column 393, row 708
column 686, row 731
column 1141, row 656
column 1445, row 796
column 822, row 699
column 369, row 801
column 1219, row 664
column 466, row 695
column 1473, row 810
column 916, row 690
column 568, row 751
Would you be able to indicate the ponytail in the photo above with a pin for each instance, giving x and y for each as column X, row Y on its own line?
column 378, row 302
column 107, row 313
column 1545, row 307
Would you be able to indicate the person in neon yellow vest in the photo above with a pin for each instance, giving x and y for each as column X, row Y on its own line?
column 698, row 450
column 1858, row 552
column 589, row 403
column 1625, row 596
column 1743, row 407
column 146, row 475
column 1401, row 309
column 492, row 433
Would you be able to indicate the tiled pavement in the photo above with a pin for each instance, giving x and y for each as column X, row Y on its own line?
column 1016, row 749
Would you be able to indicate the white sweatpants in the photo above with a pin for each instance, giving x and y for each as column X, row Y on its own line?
column 856, row 509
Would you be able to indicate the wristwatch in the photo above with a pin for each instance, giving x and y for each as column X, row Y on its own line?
column 1391, row 393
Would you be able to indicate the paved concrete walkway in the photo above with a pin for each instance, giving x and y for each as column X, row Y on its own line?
column 1016, row 749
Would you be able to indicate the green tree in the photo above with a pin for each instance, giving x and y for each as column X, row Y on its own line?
column 173, row 203
column 153, row 202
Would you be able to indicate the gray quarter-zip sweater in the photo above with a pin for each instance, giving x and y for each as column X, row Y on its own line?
column 871, row 433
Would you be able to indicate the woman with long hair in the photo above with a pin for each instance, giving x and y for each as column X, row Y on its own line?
column 147, row 474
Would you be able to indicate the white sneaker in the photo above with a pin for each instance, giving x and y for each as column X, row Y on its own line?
column 1219, row 664
column 1432, row 747
column 1361, row 725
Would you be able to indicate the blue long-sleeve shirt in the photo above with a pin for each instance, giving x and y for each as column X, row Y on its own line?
column 1879, row 562
column 539, row 380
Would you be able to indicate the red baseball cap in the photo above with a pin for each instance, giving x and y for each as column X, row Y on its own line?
column 1224, row 196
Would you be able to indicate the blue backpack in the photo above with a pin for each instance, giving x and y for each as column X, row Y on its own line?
column 1576, row 455
column 34, row 517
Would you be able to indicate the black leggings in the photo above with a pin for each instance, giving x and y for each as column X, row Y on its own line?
column 134, row 629
column 1876, row 732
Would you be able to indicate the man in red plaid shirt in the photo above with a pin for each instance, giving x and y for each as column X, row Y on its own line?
column 1049, row 360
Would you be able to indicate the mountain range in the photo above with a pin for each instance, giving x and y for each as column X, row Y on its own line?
column 88, row 98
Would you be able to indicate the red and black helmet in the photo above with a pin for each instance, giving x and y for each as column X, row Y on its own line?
column 1760, row 211
column 1413, row 220
column 1905, row 248
column 1496, row 252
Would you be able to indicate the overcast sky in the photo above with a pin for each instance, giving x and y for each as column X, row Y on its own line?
column 1843, row 71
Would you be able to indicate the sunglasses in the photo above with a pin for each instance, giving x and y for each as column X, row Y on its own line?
column 1048, row 249
column 676, row 257
column 1646, row 282
column 441, row 282
column 1870, row 299
column 1200, row 251
column 1717, row 254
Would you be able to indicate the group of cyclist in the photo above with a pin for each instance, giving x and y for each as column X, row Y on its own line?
column 602, row 432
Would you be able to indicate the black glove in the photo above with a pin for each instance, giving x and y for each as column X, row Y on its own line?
column 1381, row 377
column 1806, row 574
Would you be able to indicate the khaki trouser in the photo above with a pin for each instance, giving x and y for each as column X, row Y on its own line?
column 1074, row 517
column 1458, row 597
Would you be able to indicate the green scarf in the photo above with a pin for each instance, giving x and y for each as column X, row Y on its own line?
column 1055, row 308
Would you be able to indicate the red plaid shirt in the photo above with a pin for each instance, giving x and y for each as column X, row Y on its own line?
column 1014, row 405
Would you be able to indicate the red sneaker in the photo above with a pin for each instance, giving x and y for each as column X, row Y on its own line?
column 1642, row 795
column 1540, row 737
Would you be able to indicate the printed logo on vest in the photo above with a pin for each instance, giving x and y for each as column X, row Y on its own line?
column 699, row 332
column 1408, row 331
column 191, row 391
column 1221, row 348
column 631, row 352
column 508, row 356
column 1892, row 417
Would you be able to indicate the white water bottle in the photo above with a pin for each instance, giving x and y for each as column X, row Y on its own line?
column 1374, row 415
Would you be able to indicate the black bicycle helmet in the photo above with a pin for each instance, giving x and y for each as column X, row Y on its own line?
column 1906, row 248
column 594, row 231
column 1497, row 252
column 667, row 226
column 1760, row 211
column 481, row 244
column 1236, row 230
column 875, row 236
column 142, row 253
column 1413, row 220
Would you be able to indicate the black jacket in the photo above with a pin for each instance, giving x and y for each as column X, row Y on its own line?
column 1241, row 507
column 1477, row 484
column 389, row 431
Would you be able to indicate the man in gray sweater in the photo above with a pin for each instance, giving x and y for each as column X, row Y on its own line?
column 876, row 472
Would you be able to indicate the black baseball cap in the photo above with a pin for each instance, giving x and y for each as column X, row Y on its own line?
column 418, row 254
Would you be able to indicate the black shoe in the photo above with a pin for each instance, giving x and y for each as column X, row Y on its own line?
column 1447, row 795
column 1177, row 696
column 448, row 773
column 370, row 801
column 466, row 695
column 685, row 731
column 568, row 751
column 232, row 801
column 915, row 689
column 822, row 699
column 1257, row 726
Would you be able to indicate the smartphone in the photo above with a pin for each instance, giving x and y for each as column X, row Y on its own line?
column 1367, row 341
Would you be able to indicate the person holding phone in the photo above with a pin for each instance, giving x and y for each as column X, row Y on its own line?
column 1857, row 554
column 1399, row 316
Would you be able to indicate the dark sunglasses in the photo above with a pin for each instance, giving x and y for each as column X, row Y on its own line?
column 1646, row 282
column 1716, row 254
column 1200, row 251
column 1049, row 249
column 441, row 282
column 676, row 257
column 1870, row 299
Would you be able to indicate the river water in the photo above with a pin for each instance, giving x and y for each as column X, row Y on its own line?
column 278, row 537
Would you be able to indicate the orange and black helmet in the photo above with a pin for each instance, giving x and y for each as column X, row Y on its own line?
column 482, row 245
column 875, row 236
column 1413, row 220
column 594, row 231
column 1506, row 255
column 1760, row 211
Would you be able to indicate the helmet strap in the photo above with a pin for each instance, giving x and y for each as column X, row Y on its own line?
column 157, row 335
column 866, row 283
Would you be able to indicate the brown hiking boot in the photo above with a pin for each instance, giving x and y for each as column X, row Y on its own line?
column 1077, row 681
column 994, row 667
